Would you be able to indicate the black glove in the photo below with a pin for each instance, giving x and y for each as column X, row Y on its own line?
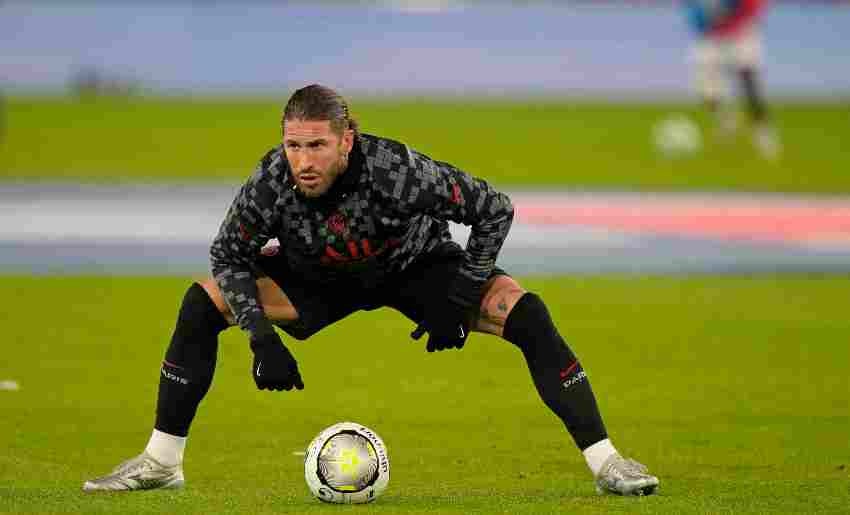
column 274, row 366
column 447, row 319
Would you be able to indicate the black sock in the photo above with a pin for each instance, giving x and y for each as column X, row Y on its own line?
column 187, row 370
column 752, row 91
column 558, row 376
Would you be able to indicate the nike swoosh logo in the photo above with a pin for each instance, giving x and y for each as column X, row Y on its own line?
column 462, row 334
column 260, row 364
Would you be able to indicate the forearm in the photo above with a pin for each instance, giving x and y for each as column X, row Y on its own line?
column 239, row 290
column 485, row 243
column 250, row 222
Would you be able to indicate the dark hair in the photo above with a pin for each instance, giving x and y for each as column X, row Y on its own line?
column 315, row 103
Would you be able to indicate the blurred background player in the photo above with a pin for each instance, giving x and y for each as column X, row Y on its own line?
column 728, row 49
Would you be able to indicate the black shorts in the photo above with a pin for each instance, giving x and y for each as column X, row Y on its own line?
column 320, row 305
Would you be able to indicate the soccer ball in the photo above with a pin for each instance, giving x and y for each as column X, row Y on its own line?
column 347, row 463
column 676, row 136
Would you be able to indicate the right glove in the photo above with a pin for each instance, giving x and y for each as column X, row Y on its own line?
column 446, row 330
column 447, row 319
column 274, row 367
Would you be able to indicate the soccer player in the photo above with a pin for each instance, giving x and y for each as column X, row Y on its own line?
column 362, row 223
column 729, row 44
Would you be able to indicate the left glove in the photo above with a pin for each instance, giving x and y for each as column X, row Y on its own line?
column 447, row 319
column 274, row 366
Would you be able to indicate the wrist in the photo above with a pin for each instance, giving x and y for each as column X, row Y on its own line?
column 264, row 337
column 465, row 291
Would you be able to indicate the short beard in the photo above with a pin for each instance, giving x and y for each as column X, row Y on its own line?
column 311, row 193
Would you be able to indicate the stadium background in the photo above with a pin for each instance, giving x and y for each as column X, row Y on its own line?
column 717, row 346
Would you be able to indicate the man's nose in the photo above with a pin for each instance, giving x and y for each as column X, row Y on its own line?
column 304, row 165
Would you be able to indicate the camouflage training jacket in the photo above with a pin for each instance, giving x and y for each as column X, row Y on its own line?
column 391, row 205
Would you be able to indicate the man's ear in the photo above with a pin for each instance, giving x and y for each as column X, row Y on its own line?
column 347, row 140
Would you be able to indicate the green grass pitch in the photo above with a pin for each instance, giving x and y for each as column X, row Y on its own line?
column 511, row 142
column 734, row 390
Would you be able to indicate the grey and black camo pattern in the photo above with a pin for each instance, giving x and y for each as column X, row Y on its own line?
column 393, row 209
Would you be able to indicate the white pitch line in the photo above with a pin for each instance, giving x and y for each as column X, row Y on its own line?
column 9, row 385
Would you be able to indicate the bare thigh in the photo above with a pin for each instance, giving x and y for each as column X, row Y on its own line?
column 501, row 294
column 276, row 304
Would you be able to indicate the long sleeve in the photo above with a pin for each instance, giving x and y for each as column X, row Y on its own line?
column 418, row 184
column 251, row 221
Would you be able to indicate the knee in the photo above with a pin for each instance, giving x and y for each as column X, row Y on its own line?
column 198, row 296
column 500, row 296
column 210, row 287
column 200, row 311
column 528, row 320
column 529, row 307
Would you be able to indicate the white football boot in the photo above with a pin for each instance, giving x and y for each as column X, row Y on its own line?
column 623, row 476
column 139, row 473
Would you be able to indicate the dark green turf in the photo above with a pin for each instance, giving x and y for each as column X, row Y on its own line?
column 512, row 143
column 734, row 390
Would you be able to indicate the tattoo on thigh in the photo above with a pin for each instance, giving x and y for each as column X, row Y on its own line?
column 495, row 315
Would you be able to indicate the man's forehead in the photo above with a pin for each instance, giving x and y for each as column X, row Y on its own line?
column 307, row 129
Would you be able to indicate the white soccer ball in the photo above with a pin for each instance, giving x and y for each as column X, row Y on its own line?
column 347, row 463
column 677, row 136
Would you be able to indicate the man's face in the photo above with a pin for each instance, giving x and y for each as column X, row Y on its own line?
column 316, row 154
